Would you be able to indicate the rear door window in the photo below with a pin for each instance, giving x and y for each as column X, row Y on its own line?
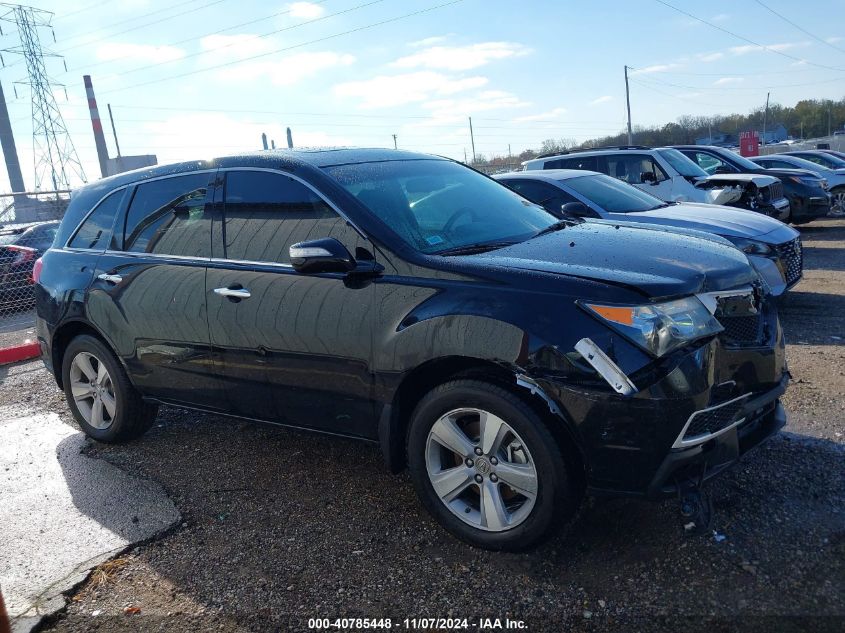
column 169, row 217
column 96, row 230
column 265, row 213
column 575, row 162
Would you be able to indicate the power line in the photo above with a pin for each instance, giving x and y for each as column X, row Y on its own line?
column 288, row 48
column 803, row 30
column 201, row 36
column 133, row 19
column 745, row 39
column 238, row 43
column 742, row 88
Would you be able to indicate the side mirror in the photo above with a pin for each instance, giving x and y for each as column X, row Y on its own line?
column 325, row 255
column 723, row 169
column 648, row 176
column 577, row 209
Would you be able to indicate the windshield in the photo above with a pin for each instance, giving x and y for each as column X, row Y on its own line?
column 438, row 205
column 8, row 238
column 613, row 195
column 799, row 163
column 828, row 160
column 682, row 164
column 742, row 161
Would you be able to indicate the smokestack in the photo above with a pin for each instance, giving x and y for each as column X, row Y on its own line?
column 290, row 140
column 10, row 152
column 264, row 140
column 99, row 137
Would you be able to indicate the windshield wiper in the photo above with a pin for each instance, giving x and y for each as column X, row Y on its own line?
column 557, row 226
column 471, row 249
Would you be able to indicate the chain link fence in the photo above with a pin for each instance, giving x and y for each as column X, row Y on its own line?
column 836, row 143
column 28, row 224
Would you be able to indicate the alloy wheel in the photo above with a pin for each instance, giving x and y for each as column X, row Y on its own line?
column 481, row 469
column 93, row 390
column 838, row 202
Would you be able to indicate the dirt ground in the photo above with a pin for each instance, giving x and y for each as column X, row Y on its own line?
column 282, row 526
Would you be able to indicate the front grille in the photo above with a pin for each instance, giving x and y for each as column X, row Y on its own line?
column 792, row 259
column 775, row 191
column 742, row 330
column 713, row 420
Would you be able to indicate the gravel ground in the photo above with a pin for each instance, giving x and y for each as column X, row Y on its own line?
column 282, row 526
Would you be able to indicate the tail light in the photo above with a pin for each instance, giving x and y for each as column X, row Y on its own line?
column 36, row 270
column 21, row 254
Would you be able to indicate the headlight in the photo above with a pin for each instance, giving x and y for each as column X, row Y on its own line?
column 750, row 247
column 661, row 327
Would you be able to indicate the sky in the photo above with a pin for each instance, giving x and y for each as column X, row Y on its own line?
column 202, row 78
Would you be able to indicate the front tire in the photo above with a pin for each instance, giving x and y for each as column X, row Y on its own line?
column 103, row 401
column 837, row 203
column 487, row 467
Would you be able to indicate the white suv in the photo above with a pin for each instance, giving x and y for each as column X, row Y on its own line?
column 668, row 174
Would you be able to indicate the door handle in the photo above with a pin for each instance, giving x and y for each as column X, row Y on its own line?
column 233, row 293
column 113, row 279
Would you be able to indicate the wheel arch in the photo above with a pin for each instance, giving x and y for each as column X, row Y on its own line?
column 62, row 337
column 395, row 416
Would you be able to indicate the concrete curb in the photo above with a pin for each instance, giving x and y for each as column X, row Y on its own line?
column 27, row 350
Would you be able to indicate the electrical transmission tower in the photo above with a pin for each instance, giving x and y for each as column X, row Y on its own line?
column 56, row 161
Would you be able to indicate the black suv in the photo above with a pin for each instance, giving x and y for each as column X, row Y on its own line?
column 509, row 359
column 806, row 191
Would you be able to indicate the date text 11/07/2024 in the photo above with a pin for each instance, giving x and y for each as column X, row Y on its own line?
column 426, row 624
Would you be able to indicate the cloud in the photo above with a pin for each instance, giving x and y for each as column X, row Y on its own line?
column 656, row 68
column 554, row 113
column 725, row 81
column 750, row 48
column 461, row 57
column 186, row 137
column 282, row 71
column 709, row 57
column 305, row 10
column 602, row 99
column 141, row 52
column 385, row 91
column 833, row 40
column 720, row 17
column 454, row 109
column 428, row 41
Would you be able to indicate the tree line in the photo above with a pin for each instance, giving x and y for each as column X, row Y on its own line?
column 810, row 118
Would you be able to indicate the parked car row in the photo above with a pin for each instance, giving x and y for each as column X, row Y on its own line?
column 668, row 174
column 512, row 358
column 20, row 246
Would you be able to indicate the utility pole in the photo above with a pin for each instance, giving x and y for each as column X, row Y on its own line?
column 802, row 130
column 113, row 130
column 472, row 140
column 465, row 156
column 829, row 112
column 628, row 101
column 509, row 150
column 765, row 117
column 395, row 146
column 56, row 161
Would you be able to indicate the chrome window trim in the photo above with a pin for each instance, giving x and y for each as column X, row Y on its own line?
column 203, row 260
column 313, row 189
column 698, row 439
column 318, row 193
column 85, row 219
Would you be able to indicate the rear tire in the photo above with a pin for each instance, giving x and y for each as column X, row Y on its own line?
column 500, row 477
column 103, row 401
column 838, row 200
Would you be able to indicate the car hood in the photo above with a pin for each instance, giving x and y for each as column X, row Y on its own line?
column 780, row 172
column 761, row 180
column 657, row 263
column 725, row 221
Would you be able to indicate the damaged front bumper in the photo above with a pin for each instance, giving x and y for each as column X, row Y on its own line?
column 687, row 418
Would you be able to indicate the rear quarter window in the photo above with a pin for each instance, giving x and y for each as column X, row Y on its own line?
column 96, row 230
